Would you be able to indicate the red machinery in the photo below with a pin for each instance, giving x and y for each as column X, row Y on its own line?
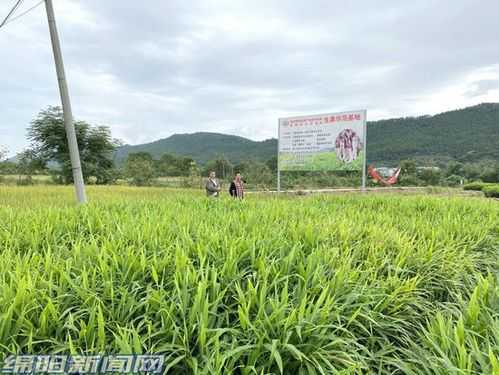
column 392, row 180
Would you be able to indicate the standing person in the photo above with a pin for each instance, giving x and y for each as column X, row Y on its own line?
column 236, row 189
column 212, row 186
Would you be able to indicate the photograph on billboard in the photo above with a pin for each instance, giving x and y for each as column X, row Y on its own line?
column 326, row 142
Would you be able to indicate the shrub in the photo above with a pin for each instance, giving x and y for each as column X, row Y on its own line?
column 56, row 178
column 430, row 176
column 92, row 180
column 139, row 169
column 491, row 191
column 121, row 181
column 490, row 173
column 476, row 185
column 453, row 180
column 410, row 180
column 25, row 181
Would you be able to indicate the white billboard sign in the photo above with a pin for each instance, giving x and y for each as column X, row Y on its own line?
column 326, row 142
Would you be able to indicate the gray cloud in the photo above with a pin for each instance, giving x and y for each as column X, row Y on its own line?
column 483, row 87
column 151, row 69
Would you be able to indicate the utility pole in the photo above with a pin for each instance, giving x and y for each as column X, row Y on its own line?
column 66, row 106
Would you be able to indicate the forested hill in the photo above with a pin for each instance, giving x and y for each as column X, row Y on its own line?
column 203, row 147
column 468, row 135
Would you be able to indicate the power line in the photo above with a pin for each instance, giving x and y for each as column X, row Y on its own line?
column 24, row 13
column 12, row 11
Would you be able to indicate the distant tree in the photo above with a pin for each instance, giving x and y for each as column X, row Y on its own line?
column 408, row 173
column 472, row 171
column 408, row 167
column 453, row 180
column 139, row 168
column 454, row 168
column 194, row 170
column 430, row 176
column 171, row 165
column 3, row 153
column 222, row 167
column 256, row 173
column 272, row 164
column 183, row 166
column 243, row 167
column 4, row 165
column 490, row 173
column 167, row 165
column 410, row 180
column 48, row 137
column 28, row 164
column 8, row 167
column 193, row 179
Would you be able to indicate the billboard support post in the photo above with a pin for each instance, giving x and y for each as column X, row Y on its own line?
column 364, row 166
column 278, row 180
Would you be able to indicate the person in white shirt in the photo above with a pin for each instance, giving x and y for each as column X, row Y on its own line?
column 213, row 186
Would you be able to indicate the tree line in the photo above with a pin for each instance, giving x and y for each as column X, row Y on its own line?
column 48, row 155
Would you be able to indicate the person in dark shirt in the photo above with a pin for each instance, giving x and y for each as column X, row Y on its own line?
column 236, row 189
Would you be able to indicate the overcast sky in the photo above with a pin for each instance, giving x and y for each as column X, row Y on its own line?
column 149, row 69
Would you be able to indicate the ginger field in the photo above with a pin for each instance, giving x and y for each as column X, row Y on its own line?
column 343, row 284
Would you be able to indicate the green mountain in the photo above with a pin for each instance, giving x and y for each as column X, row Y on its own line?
column 468, row 135
column 203, row 147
